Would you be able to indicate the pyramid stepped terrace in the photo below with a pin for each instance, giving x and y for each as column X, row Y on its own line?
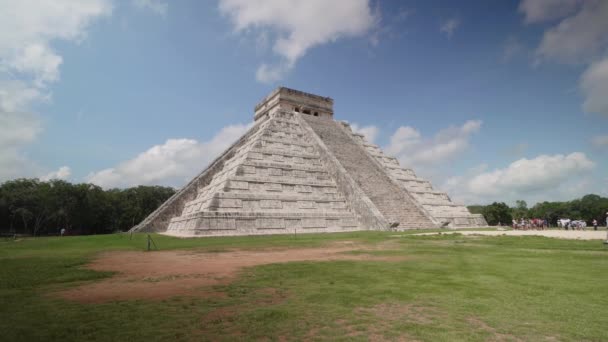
column 297, row 170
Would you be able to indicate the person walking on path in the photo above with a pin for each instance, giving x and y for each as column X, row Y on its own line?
column 594, row 224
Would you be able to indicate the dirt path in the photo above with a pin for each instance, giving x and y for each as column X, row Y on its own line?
column 159, row 275
column 560, row 234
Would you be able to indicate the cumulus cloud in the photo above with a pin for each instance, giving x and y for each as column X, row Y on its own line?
column 18, row 127
column 408, row 145
column 28, row 65
column 536, row 11
column 449, row 27
column 525, row 175
column 268, row 73
column 370, row 132
column 172, row 163
column 578, row 38
column 28, row 27
column 298, row 25
column 62, row 173
column 594, row 84
column 548, row 175
column 157, row 6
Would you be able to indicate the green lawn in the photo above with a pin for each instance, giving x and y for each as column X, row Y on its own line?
column 447, row 288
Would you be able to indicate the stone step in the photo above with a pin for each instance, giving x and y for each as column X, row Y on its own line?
column 296, row 142
column 272, row 184
column 283, row 166
column 389, row 198
column 436, row 203
column 266, row 150
column 236, row 182
column 329, row 197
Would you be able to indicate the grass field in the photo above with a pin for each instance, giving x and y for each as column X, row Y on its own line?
column 429, row 288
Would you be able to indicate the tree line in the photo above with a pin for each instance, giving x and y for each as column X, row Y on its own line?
column 34, row 207
column 587, row 208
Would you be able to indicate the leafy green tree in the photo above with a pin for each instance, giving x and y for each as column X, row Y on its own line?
column 476, row 209
column 520, row 210
column 496, row 213
column 29, row 206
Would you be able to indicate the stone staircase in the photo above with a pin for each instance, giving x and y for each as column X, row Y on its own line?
column 438, row 205
column 394, row 204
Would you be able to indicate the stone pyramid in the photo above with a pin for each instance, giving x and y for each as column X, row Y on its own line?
column 297, row 171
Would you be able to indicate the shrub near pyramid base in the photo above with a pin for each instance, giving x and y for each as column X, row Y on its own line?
column 297, row 171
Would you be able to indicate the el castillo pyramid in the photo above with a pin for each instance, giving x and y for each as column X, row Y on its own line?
column 297, row 170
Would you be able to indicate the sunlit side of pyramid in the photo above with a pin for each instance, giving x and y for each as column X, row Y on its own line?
column 296, row 171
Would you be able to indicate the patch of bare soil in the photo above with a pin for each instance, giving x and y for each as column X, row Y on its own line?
column 385, row 315
column 160, row 275
column 392, row 312
column 494, row 334
column 371, row 332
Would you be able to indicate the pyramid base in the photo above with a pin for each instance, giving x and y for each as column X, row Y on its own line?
column 239, row 223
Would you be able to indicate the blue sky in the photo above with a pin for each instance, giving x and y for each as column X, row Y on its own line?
column 491, row 101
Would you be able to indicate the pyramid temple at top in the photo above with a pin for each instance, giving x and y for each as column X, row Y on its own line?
column 298, row 170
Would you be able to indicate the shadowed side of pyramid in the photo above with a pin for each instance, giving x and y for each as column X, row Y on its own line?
column 437, row 205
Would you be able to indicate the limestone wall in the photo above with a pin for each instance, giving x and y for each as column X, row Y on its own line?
column 297, row 170
column 285, row 99
column 275, row 183
column 368, row 215
column 158, row 220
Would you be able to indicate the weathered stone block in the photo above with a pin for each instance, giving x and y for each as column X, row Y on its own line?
column 297, row 168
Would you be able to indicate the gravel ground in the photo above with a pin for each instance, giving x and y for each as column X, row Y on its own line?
column 599, row 234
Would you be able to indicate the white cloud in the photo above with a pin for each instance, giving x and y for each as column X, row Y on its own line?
column 28, row 26
column 62, row 173
column 578, row 38
column 16, row 95
column 449, row 26
column 172, row 163
column 370, row 132
column 298, row 25
column 536, row 11
column 594, row 84
column 157, row 6
column 271, row 73
column 543, row 177
column 600, row 141
column 526, row 175
column 28, row 65
column 14, row 164
column 18, row 127
column 39, row 60
column 581, row 37
column 412, row 150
